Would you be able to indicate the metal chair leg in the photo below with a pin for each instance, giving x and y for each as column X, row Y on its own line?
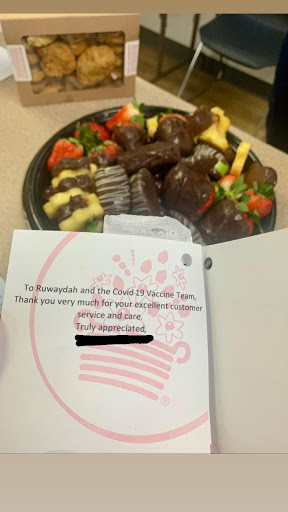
column 190, row 69
column 261, row 122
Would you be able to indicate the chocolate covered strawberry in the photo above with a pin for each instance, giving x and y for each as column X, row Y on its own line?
column 129, row 113
column 65, row 148
column 187, row 191
column 104, row 154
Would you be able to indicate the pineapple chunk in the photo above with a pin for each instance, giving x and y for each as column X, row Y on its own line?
column 68, row 174
column 240, row 158
column 218, row 111
column 152, row 125
column 224, row 121
column 59, row 199
column 78, row 219
column 213, row 136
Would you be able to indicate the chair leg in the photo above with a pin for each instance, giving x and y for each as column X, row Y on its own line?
column 190, row 69
column 261, row 122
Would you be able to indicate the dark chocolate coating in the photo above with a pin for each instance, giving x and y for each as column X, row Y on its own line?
column 200, row 120
column 102, row 160
column 82, row 181
column 229, row 154
column 204, row 160
column 174, row 130
column 144, row 195
column 113, row 190
column 70, row 163
column 257, row 172
column 152, row 157
column 66, row 210
column 159, row 183
column 186, row 191
column 129, row 137
column 223, row 223
column 196, row 235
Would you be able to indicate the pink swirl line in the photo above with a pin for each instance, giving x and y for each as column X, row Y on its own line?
column 154, row 351
column 174, row 349
column 127, row 362
column 131, row 353
column 119, row 384
column 122, row 373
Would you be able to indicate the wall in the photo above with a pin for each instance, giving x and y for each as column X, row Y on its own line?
column 179, row 29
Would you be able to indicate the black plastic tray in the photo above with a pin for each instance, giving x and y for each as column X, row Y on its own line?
column 38, row 177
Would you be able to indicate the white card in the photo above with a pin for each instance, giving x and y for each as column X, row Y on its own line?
column 145, row 398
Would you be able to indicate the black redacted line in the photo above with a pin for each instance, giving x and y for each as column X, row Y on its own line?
column 83, row 341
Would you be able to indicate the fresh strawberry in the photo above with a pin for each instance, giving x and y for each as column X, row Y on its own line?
column 123, row 125
column 108, row 150
column 253, row 200
column 230, row 187
column 129, row 113
column 227, row 182
column 264, row 207
column 259, row 202
column 249, row 222
column 164, row 116
column 65, row 148
column 102, row 133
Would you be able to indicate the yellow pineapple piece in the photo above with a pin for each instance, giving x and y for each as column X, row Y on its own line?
column 152, row 125
column 78, row 219
column 224, row 121
column 240, row 158
column 213, row 136
column 218, row 111
column 68, row 174
column 51, row 207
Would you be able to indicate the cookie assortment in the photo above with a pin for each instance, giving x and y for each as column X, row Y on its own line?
column 169, row 164
column 75, row 61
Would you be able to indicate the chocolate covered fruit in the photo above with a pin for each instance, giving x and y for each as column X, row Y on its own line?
column 187, row 191
column 224, row 222
column 260, row 174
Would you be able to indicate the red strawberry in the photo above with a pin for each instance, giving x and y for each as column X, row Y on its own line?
column 172, row 115
column 129, row 113
column 102, row 133
column 249, row 222
column 107, row 151
column 64, row 148
column 204, row 208
column 227, row 182
column 263, row 205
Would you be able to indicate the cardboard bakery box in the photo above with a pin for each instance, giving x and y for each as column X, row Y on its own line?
column 66, row 58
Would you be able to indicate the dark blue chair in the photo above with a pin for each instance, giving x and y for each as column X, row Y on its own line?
column 253, row 40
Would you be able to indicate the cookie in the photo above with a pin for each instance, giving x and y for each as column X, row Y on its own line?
column 117, row 74
column 78, row 47
column 38, row 87
column 37, row 74
column 40, row 41
column 73, row 82
column 53, row 86
column 32, row 57
column 95, row 64
column 144, row 195
column 111, row 38
column 112, row 189
column 119, row 61
column 72, row 38
column 117, row 49
column 57, row 59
